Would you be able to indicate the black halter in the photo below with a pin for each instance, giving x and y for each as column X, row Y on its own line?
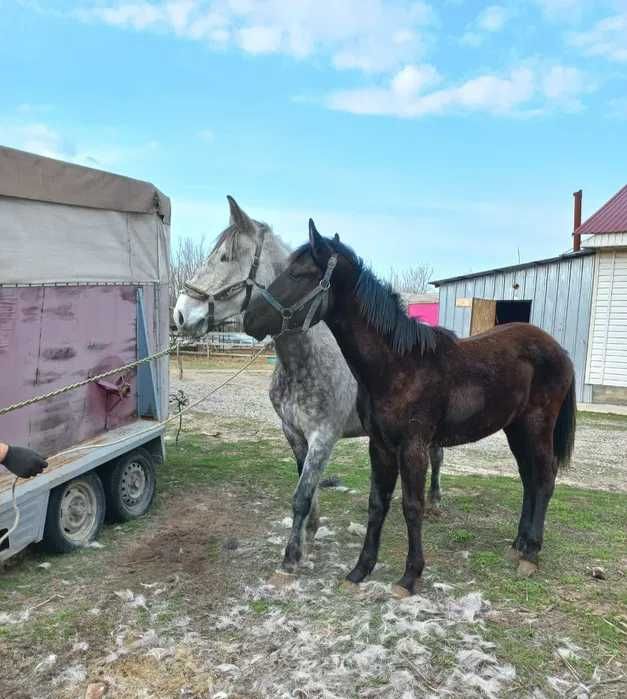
column 319, row 297
column 199, row 294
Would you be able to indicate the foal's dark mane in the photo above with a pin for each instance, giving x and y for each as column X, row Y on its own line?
column 383, row 309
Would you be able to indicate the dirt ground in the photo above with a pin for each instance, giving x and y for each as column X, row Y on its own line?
column 600, row 459
column 187, row 603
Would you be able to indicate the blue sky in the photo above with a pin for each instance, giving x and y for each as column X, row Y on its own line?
column 448, row 132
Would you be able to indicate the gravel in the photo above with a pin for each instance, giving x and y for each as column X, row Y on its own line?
column 242, row 409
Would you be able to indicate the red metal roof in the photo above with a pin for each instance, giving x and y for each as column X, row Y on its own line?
column 610, row 218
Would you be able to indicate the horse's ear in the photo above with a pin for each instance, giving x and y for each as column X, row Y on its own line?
column 336, row 237
column 239, row 218
column 318, row 245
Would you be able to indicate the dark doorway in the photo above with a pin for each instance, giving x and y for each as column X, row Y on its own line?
column 513, row 312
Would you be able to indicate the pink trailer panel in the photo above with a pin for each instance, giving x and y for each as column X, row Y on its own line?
column 428, row 313
column 53, row 336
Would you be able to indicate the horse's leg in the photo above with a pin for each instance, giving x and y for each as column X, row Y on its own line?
column 298, row 444
column 318, row 453
column 299, row 447
column 413, row 467
column 544, row 472
column 518, row 440
column 436, row 456
column 313, row 520
column 383, row 475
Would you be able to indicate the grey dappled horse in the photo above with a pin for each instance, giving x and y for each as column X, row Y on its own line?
column 312, row 389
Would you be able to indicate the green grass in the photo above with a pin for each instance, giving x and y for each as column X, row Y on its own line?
column 479, row 516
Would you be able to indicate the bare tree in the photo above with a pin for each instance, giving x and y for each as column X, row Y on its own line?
column 413, row 280
column 185, row 260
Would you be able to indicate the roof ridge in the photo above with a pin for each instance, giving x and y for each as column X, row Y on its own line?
column 605, row 211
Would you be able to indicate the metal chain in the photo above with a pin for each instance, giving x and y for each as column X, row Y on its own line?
column 78, row 384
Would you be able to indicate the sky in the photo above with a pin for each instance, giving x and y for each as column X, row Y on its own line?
column 451, row 133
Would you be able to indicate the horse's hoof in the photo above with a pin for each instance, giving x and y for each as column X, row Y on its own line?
column 96, row 690
column 513, row 554
column 349, row 586
column 400, row 592
column 433, row 509
column 281, row 579
column 526, row 568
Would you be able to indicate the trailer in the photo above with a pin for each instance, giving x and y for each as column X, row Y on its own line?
column 84, row 271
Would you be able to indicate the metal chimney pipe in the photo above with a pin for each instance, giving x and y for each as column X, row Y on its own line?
column 577, row 221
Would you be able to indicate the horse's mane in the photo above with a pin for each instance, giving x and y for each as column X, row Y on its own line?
column 383, row 309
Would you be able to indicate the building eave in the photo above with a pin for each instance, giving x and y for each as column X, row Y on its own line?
column 513, row 268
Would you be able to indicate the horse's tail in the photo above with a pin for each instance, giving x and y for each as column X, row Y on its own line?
column 564, row 431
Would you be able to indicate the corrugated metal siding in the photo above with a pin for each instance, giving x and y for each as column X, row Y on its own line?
column 561, row 296
column 607, row 363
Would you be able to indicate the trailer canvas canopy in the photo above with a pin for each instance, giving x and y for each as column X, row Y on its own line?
column 61, row 223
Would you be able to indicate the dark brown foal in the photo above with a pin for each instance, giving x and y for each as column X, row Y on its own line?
column 420, row 388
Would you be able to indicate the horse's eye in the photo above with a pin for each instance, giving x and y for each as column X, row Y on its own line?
column 224, row 258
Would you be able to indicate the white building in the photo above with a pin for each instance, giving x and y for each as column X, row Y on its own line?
column 579, row 298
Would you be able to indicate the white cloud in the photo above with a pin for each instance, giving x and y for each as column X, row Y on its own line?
column 30, row 108
column 607, row 38
column 493, row 18
column 490, row 20
column 260, row 39
column 137, row 15
column 525, row 90
column 42, row 139
column 570, row 10
column 367, row 35
column 413, row 79
column 565, row 84
column 37, row 138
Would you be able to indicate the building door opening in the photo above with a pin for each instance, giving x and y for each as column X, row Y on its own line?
column 486, row 313
column 512, row 312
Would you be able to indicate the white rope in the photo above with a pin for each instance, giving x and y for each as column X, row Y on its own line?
column 152, row 428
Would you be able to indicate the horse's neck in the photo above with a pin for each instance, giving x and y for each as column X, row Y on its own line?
column 293, row 351
column 367, row 353
column 273, row 259
column 296, row 350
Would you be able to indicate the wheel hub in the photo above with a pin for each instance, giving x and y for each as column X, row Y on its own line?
column 78, row 512
column 133, row 483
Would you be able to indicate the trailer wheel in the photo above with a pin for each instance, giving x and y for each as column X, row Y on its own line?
column 129, row 485
column 75, row 514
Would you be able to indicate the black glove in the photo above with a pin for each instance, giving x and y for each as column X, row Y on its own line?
column 23, row 462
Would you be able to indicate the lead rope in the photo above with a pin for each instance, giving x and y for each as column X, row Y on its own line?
column 84, row 382
column 183, row 410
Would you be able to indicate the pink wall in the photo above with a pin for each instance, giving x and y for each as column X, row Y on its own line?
column 428, row 313
column 53, row 336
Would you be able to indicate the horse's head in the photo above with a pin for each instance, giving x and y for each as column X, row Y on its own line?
column 219, row 291
column 304, row 293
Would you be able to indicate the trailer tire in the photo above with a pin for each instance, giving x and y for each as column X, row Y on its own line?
column 75, row 514
column 129, row 484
